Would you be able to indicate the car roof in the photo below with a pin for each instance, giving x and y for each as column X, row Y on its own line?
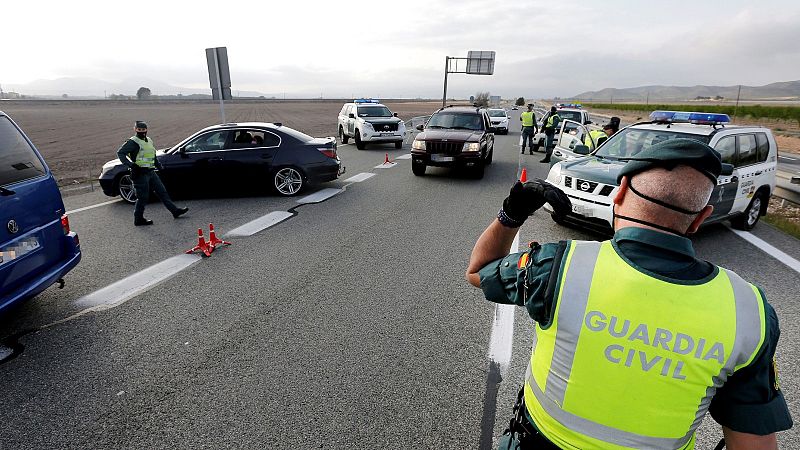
column 365, row 104
column 570, row 109
column 270, row 125
column 461, row 109
column 690, row 128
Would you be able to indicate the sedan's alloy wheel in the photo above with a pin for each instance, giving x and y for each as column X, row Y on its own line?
column 126, row 189
column 288, row 181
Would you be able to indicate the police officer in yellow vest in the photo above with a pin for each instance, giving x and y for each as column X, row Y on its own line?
column 139, row 154
column 636, row 338
column 551, row 122
column 529, row 128
column 597, row 137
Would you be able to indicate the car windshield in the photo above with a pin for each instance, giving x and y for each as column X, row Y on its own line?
column 374, row 111
column 497, row 113
column 458, row 121
column 570, row 115
column 18, row 161
column 631, row 141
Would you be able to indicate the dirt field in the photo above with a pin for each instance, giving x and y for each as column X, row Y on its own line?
column 77, row 137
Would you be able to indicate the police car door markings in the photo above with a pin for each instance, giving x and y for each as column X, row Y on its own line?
column 260, row 224
column 319, row 196
column 768, row 249
column 363, row 176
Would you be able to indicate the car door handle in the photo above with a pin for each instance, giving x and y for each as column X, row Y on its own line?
column 215, row 159
column 758, row 173
column 734, row 179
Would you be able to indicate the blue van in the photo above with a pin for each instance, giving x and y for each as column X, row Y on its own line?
column 37, row 248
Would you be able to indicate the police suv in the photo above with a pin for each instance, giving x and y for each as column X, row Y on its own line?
column 367, row 120
column 573, row 115
column 741, row 196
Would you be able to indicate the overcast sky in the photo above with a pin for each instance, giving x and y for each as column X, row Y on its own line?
column 397, row 49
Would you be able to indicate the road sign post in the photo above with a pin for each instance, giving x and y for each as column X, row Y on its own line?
column 219, row 76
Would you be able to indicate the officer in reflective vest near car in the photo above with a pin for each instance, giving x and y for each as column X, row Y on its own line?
column 551, row 122
column 636, row 338
column 139, row 154
column 529, row 128
column 597, row 137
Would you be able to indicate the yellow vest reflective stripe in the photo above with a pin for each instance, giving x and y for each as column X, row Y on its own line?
column 552, row 118
column 593, row 142
column 147, row 153
column 527, row 118
column 614, row 371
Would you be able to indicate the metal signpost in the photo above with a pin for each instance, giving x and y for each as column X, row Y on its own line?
column 219, row 76
column 477, row 63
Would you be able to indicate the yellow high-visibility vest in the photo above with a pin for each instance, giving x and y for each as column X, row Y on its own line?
column 528, row 118
column 147, row 152
column 632, row 360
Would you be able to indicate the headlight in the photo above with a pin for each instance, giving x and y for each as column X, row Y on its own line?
column 367, row 124
column 471, row 147
column 418, row 145
column 554, row 177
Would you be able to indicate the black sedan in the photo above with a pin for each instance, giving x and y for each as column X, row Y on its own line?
column 237, row 155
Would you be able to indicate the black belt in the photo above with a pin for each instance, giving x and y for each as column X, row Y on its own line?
column 523, row 430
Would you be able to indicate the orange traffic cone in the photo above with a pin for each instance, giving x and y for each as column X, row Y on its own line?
column 523, row 177
column 386, row 160
column 213, row 240
column 201, row 244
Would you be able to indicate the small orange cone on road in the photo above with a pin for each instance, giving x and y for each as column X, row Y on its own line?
column 523, row 177
column 201, row 246
column 386, row 159
column 213, row 240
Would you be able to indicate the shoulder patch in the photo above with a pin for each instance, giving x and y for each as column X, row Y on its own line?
column 523, row 261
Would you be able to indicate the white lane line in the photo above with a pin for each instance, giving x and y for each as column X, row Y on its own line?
column 127, row 288
column 262, row 223
column 406, row 156
column 768, row 249
column 86, row 208
column 502, row 337
column 363, row 176
column 388, row 165
column 319, row 196
column 786, row 157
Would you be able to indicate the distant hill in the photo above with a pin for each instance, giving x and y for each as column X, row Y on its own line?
column 785, row 90
column 91, row 87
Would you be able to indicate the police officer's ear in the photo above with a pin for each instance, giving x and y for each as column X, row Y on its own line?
column 700, row 219
column 623, row 189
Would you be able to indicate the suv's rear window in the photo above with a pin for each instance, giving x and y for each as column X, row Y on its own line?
column 631, row 141
column 570, row 115
column 457, row 121
column 18, row 161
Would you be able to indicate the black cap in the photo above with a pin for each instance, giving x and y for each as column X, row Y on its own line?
column 553, row 109
column 675, row 152
column 141, row 124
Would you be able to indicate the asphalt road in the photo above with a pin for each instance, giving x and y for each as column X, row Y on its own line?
column 348, row 325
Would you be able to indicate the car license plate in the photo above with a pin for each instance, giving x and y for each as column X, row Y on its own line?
column 18, row 249
column 581, row 210
column 441, row 158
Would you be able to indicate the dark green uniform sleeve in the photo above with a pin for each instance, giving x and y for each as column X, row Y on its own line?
column 751, row 401
column 502, row 280
column 127, row 153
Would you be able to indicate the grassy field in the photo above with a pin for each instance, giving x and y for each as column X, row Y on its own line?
column 788, row 113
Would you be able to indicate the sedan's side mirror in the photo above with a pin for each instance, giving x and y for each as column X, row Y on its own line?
column 351, row 115
column 395, row 114
column 588, row 122
column 182, row 151
column 420, row 127
column 581, row 149
column 727, row 169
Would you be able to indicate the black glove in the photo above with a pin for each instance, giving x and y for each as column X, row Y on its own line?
column 526, row 198
column 135, row 170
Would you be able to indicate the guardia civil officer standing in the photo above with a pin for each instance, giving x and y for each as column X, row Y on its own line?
column 549, row 125
column 529, row 128
column 636, row 338
column 139, row 154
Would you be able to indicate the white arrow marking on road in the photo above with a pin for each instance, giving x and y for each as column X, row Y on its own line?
column 86, row 208
column 768, row 249
column 262, row 223
column 406, row 156
column 127, row 288
column 363, row 176
column 319, row 196
column 503, row 329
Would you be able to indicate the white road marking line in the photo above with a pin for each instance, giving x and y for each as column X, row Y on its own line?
column 768, row 249
column 502, row 336
column 388, row 165
column 262, row 223
column 319, row 196
column 786, row 157
column 86, row 208
column 127, row 288
column 360, row 177
column 406, row 156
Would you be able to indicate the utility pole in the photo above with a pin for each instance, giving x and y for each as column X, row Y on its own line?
column 736, row 108
column 444, row 94
column 647, row 101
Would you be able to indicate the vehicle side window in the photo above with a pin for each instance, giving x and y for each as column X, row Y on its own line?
column 727, row 149
column 271, row 140
column 18, row 161
column 344, row 110
column 747, row 150
column 207, row 142
column 763, row 146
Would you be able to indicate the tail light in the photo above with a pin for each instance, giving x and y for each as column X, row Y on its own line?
column 329, row 152
column 65, row 223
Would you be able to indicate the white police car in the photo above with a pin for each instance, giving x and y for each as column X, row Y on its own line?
column 741, row 196
column 367, row 120
column 499, row 119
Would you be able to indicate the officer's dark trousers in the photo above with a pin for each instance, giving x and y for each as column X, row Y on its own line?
column 527, row 137
column 145, row 182
column 549, row 145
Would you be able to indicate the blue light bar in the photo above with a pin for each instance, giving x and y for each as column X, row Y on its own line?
column 365, row 100
column 689, row 117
